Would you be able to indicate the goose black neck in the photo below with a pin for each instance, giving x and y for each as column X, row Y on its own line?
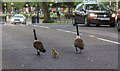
column 77, row 30
column 35, row 34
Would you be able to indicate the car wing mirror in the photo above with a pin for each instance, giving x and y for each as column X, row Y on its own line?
column 83, row 10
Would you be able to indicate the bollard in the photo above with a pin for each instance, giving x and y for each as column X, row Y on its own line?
column 37, row 17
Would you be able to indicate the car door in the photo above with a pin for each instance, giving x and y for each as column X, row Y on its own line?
column 80, row 14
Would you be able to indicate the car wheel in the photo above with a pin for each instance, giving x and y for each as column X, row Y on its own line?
column 86, row 22
column 74, row 21
column 25, row 23
column 118, row 29
column 118, row 26
column 112, row 25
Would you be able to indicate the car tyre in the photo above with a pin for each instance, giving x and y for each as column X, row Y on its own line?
column 25, row 23
column 118, row 26
column 86, row 22
column 74, row 21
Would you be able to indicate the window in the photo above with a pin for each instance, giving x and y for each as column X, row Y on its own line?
column 96, row 7
column 80, row 7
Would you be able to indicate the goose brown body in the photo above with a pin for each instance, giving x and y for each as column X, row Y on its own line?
column 78, row 42
column 38, row 44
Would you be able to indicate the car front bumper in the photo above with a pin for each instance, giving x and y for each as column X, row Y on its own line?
column 18, row 22
column 104, row 21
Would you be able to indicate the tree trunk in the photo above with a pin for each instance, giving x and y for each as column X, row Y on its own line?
column 46, row 12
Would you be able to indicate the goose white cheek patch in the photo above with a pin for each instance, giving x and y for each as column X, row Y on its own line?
column 77, row 37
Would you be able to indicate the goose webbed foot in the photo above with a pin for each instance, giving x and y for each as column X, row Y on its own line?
column 76, row 49
column 79, row 52
column 38, row 52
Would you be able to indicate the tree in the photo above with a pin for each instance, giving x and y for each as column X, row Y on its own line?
column 118, row 4
column 15, row 4
column 70, row 5
column 47, row 18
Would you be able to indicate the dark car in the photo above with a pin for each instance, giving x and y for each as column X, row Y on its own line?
column 93, row 13
column 118, row 20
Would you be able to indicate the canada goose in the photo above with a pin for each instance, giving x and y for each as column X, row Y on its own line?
column 38, row 44
column 78, row 43
column 54, row 53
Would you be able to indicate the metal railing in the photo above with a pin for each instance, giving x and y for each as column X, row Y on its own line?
column 63, row 20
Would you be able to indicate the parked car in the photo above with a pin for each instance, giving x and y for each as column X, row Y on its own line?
column 118, row 20
column 93, row 13
column 18, row 18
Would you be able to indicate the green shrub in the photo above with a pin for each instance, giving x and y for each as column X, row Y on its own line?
column 114, row 11
column 48, row 21
column 55, row 17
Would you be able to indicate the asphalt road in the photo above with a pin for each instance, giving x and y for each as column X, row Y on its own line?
column 101, row 47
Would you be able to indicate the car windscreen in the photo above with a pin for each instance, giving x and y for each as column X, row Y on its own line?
column 18, row 16
column 98, row 7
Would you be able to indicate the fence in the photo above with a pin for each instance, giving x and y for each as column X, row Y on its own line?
column 63, row 20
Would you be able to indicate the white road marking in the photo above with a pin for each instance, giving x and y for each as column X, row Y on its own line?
column 67, row 31
column 109, row 41
column 60, row 30
column 44, row 27
column 41, row 26
column 74, row 33
column 91, row 36
column 14, row 25
column 106, row 40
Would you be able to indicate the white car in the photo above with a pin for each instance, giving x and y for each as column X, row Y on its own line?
column 18, row 18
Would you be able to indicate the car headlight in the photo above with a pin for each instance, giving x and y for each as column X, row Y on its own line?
column 113, row 15
column 12, row 20
column 92, row 15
